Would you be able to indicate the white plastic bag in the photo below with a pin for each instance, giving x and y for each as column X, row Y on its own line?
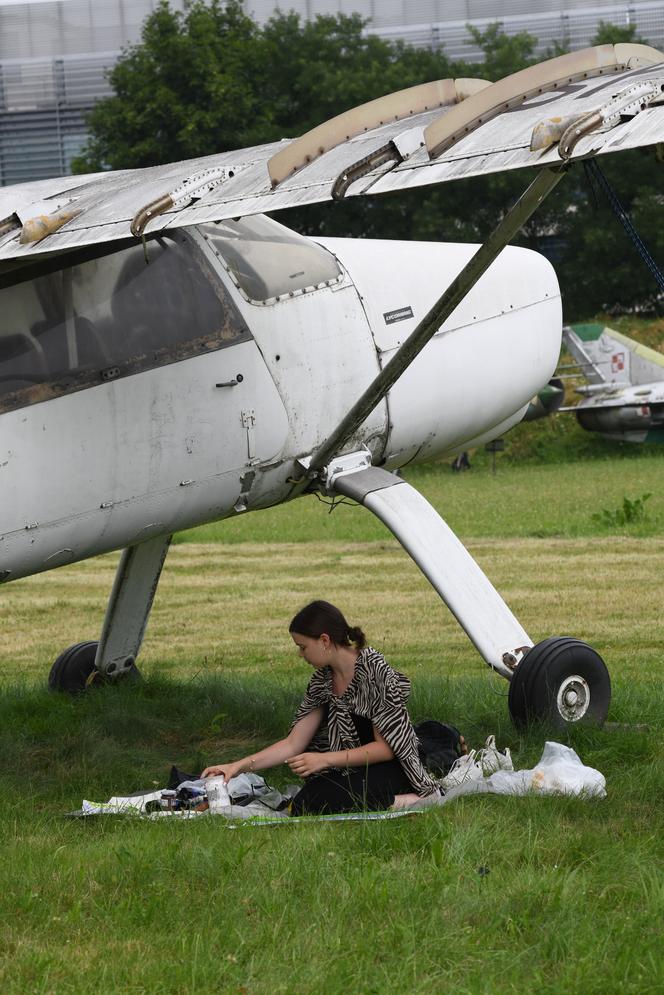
column 559, row 772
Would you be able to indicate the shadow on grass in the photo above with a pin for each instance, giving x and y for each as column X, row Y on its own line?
column 125, row 737
column 122, row 737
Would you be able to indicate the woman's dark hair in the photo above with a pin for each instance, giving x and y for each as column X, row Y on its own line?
column 319, row 617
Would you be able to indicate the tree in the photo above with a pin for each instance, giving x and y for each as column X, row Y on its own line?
column 503, row 54
column 210, row 79
column 613, row 34
column 599, row 267
column 192, row 86
column 319, row 68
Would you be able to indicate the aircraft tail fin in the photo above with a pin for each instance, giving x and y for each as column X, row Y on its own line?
column 577, row 344
column 607, row 356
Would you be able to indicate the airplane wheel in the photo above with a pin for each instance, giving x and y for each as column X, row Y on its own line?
column 560, row 681
column 74, row 670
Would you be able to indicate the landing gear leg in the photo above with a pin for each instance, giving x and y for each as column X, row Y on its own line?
column 441, row 556
column 560, row 681
column 127, row 614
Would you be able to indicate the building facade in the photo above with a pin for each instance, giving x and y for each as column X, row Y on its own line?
column 55, row 54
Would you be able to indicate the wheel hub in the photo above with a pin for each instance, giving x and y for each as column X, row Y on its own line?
column 573, row 698
column 560, row 681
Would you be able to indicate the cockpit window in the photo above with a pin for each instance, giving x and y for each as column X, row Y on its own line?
column 111, row 317
column 268, row 261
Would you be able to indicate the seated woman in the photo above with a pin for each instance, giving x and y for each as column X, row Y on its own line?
column 352, row 739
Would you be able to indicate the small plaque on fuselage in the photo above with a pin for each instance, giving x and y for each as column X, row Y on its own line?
column 400, row 314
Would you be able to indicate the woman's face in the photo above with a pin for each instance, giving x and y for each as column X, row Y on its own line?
column 315, row 651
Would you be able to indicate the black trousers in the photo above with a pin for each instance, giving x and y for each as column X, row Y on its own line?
column 353, row 789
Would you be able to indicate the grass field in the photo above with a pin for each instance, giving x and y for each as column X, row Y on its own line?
column 534, row 500
column 574, row 895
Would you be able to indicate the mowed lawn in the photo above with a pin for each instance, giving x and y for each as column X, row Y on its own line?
column 485, row 895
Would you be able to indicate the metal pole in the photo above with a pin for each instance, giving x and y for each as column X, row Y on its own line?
column 515, row 218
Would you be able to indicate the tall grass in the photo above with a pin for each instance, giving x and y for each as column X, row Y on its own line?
column 486, row 895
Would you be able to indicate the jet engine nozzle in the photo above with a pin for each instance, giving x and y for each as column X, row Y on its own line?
column 546, row 401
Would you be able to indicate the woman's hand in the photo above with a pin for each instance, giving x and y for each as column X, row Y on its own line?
column 306, row 764
column 227, row 771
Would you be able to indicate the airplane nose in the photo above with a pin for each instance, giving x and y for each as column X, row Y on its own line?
column 476, row 376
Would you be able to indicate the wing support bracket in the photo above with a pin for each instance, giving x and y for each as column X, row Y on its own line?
column 624, row 105
column 386, row 153
column 193, row 188
column 341, row 129
column 514, row 90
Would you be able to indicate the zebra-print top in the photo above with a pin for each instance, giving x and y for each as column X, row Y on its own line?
column 379, row 693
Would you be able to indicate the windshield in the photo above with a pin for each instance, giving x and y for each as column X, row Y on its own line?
column 269, row 261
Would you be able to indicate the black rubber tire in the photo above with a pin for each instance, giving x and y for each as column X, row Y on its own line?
column 74, row 668
column 533, row 694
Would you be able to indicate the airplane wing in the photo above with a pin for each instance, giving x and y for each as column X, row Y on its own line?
column 650, row 395
column 592, row 102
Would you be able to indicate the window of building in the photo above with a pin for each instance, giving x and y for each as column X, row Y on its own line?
column 110, row 317
column 268, row 261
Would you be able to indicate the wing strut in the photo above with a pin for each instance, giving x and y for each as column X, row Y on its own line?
column 505, row 231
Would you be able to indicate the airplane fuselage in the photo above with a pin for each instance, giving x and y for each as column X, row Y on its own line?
column 132, row 407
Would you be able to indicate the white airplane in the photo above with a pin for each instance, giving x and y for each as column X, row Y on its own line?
column 169, row 356
column 623, row 397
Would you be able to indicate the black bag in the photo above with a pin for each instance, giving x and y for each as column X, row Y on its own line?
column 439, row 746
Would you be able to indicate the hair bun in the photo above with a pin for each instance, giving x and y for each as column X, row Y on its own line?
column 356, row 636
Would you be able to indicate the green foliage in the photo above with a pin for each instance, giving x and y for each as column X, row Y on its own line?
column 614, row 34
column 192, row 86
column 210, row 79
column 630, row 511
column 600, row 267
column 558, row 439
column 503, row 54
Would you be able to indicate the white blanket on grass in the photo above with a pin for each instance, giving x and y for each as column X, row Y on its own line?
column 559, row 772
